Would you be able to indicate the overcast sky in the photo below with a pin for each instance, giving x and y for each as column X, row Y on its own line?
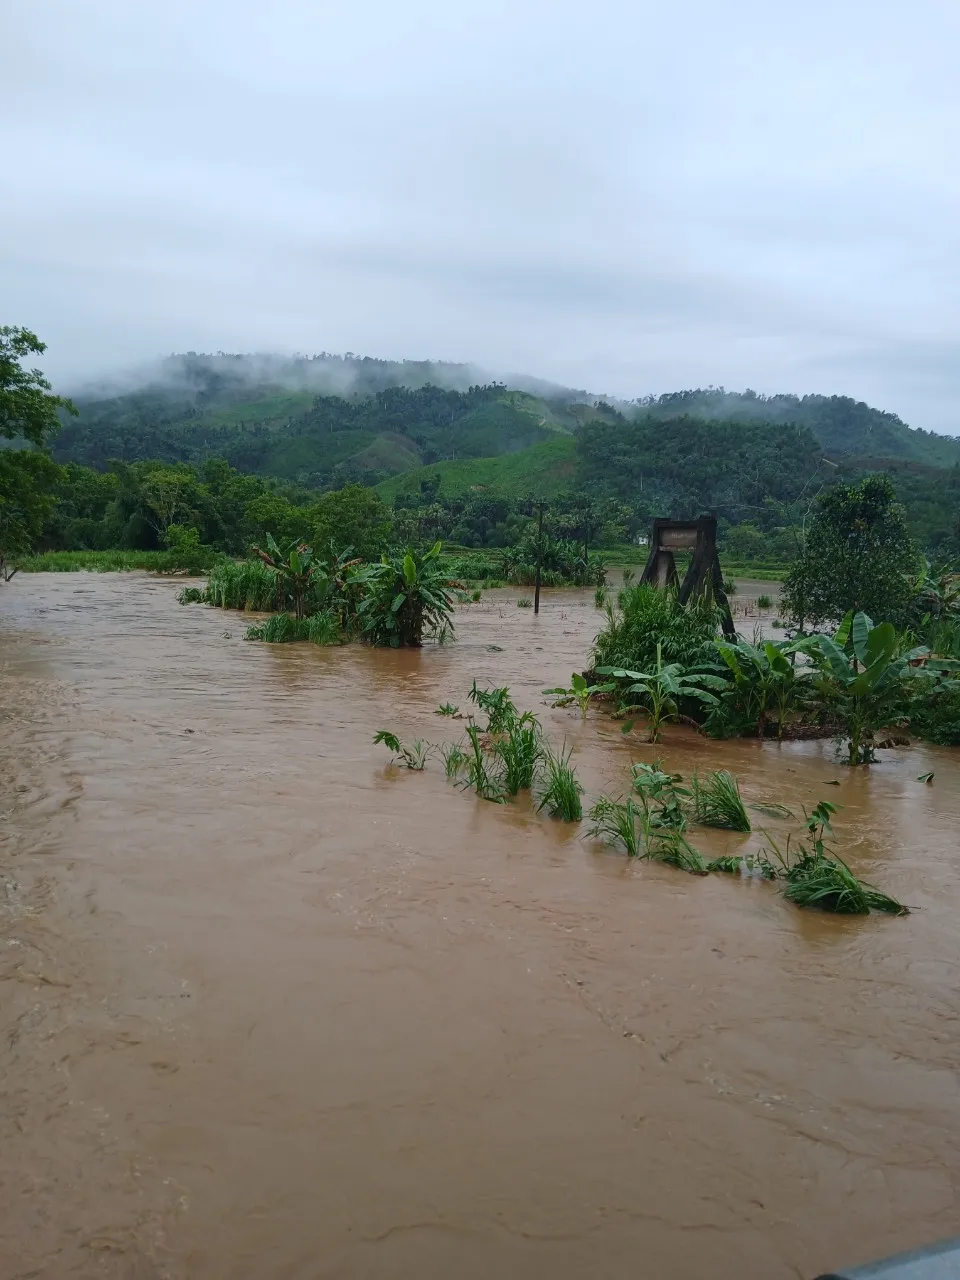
column 623, row 195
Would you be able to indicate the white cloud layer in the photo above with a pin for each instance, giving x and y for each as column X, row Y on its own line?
column 627, row 196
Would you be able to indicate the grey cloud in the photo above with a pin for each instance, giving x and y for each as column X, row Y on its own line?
column 625, row 196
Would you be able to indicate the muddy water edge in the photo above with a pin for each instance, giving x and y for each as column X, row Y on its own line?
column 272, row 1008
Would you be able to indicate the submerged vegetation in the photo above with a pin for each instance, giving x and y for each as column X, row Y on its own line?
column 852, row 684
column 397, row 602
column 717, row 802
column 560, row 788
column 510, row 755
column 413, row 756
column 814, row 877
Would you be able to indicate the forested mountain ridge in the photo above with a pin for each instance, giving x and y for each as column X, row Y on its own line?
column 413, row 428
column 844, row 427
column 367, row 433
column 327, row 420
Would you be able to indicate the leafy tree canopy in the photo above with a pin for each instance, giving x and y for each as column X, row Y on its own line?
column 28, row 408
column 857, row 555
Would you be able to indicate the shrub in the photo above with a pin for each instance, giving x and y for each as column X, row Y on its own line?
column 764, row 602
column 524, row 602
column 935, row 716
column 644, row 617
column 185, row 550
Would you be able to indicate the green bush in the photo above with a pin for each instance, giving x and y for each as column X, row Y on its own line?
column 644, row 617
column 185, row 551
column 936, row 718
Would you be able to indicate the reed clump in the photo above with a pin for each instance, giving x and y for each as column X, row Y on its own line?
column 717, row 802
column 560, row 789
column 284, row 628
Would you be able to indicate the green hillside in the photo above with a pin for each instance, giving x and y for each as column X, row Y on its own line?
column 544, row 470
column 315, row 441
column 418, row 428
column 844, row 427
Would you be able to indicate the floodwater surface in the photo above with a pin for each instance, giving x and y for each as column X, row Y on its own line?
column 273, row 1008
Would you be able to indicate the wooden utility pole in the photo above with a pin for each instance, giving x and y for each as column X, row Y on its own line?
column 540, row 506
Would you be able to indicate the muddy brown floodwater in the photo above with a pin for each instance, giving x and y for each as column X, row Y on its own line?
column 274, row 1009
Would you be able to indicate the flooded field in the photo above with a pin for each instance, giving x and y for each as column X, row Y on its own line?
column 274, row 1009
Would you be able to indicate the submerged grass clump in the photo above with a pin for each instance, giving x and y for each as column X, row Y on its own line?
column 480, row 775
column 519, row 752
column 829, row 885
column 455, row 759
column 673, row 848
column 822, row 880
column 248, row 585
column 413, row 756
column 284, row 628
column 619, row 822
column 717, row 802
column 499, row 707
column 560, row 788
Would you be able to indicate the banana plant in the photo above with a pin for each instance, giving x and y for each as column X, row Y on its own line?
column 658, row 692
column 405, row 596
column 579, row 692
column 299, row 575
column 863, row 680
column 765, row 680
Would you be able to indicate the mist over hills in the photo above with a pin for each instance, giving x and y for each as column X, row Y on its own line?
column 326, row 420
column 427, row 431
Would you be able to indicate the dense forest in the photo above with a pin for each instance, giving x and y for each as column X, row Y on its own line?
column 246, row 444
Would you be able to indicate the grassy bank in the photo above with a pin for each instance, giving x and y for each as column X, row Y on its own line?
column 95, row 561
column 628, row 554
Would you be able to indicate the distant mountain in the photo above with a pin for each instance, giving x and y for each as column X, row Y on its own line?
column 843, row 427
column 324, row 421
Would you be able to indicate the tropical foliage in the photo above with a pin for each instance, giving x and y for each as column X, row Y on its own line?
column 29, row 419
column 645, row 618
column 661, row 692
column 857, row 555
column 405, row 597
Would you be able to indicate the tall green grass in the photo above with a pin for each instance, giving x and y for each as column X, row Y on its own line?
column 828, row 884
column 717, row 802
column 560, row 788
column 248, row 585
column 644, row 617
column 284, row 628
column 480, row 775
column 95, row 561
column 519, row 752
column 619, row 822
column 673, row 848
